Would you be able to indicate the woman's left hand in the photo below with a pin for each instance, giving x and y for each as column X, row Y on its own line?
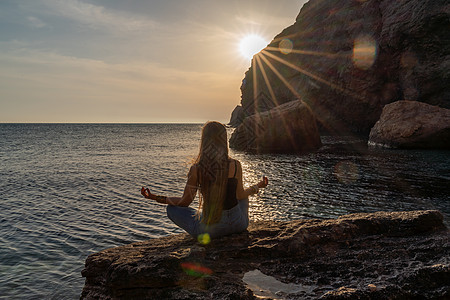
column 263, row 183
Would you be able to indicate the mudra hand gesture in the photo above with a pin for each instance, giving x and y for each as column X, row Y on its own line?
column 262, row 184
column 147, row 194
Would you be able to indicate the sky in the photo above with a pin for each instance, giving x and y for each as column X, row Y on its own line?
column 129, row 61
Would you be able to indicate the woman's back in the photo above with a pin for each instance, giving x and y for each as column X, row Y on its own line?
column 230, row 196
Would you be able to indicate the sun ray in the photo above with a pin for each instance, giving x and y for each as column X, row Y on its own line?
column 317, row 114
column 315, row 53
column 255, row 81
column 266, row 80
column 281, row 77
column 274, row 99
column 309, row 74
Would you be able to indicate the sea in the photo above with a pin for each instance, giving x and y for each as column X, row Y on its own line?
column 70, row 190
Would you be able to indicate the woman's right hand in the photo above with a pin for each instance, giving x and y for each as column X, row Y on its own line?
column 146, row 193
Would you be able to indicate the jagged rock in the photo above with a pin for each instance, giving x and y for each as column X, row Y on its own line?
column 236, row 116
column 290, row 127
column 347, row 59
column 411, row 124
column 383, row 255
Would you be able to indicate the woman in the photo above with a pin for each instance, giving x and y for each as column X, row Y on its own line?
column 223, row 201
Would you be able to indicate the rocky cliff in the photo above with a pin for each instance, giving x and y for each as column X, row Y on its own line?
column 347, row 59
column 383, row 255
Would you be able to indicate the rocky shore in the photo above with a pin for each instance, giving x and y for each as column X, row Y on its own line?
column 383, row 255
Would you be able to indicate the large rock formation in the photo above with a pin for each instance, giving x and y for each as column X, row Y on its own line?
column 290, row 127
column 411, row 124
column 349, row 58
column 384, row 255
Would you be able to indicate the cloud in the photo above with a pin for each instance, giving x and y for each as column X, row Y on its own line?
column 40, row 65
column 247, row 21
column 90, row 15
column 35, row 22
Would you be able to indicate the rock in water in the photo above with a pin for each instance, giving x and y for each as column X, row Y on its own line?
column 288, row 128
column 411, row 124
column 404, row 255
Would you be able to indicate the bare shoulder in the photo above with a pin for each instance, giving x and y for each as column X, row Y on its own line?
column 235, row 163
column 232, row 161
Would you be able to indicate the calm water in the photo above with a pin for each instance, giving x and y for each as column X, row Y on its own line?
column 69, row 190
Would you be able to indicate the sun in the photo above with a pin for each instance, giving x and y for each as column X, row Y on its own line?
column 251, row 44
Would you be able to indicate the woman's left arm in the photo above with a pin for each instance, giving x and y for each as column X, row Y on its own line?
column 190, row 190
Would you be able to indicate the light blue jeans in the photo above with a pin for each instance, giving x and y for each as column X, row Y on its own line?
column 233, row 220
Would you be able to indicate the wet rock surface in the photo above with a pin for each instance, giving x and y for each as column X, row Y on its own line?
column 383, row 255
column 288, row 128
column 411, row 124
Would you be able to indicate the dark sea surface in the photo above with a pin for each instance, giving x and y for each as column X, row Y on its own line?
column 69, row 190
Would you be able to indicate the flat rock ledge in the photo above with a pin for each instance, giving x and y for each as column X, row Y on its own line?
column 382, row 255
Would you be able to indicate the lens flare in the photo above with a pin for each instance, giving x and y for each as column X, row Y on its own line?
column 204, row 239
column 364, row 52
column 196, row 270
column 285, row 46
column 313, row 174
column 346, row 172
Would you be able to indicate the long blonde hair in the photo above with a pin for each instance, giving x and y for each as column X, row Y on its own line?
column 212, row 165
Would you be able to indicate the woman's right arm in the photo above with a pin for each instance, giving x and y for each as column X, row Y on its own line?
column 242, row 193
column 190, row 190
